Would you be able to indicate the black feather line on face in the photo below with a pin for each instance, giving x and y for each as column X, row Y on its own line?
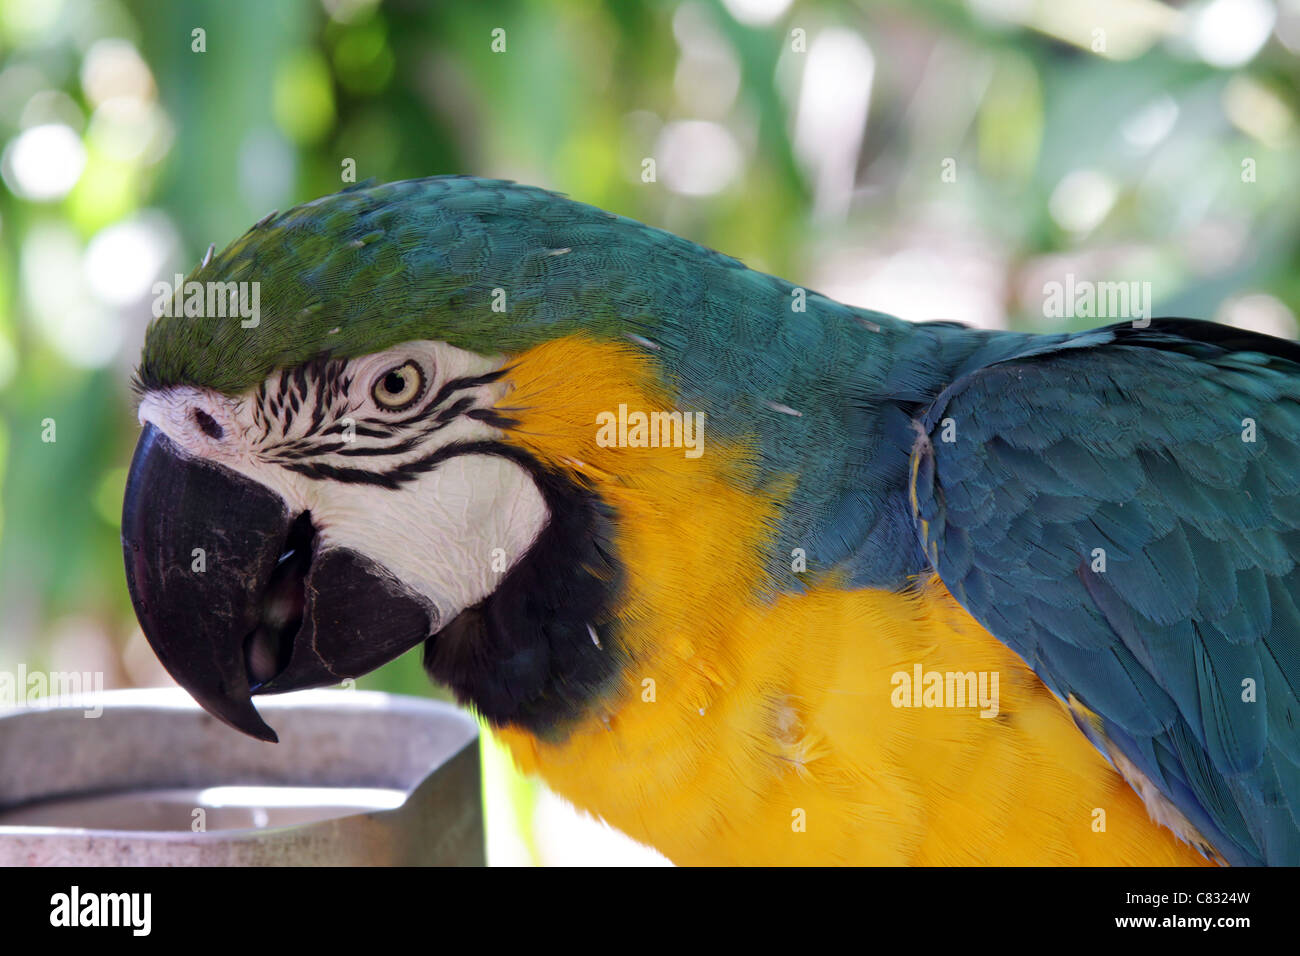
column 454, row 410
column 464, row 382
column 297, row 451
column 400, row 448
column 492, row 417
column 318, row 413
column 525, row 655
column 259, row 415
column 360, row 430
column 299, row 385
column 396, row 477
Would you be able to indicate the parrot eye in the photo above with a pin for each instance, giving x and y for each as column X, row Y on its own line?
column 399, row 387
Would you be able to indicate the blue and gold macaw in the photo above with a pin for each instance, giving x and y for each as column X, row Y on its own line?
column 754, row 576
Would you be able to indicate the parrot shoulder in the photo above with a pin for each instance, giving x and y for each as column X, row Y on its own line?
column 1124, row 512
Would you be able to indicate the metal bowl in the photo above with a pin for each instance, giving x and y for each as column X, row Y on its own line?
column 358, row 778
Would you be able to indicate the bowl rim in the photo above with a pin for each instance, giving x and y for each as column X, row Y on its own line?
column 177, row 699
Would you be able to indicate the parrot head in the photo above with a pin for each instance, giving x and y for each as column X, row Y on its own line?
column 325, row 482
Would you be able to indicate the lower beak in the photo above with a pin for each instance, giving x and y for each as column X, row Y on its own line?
column 235, row 594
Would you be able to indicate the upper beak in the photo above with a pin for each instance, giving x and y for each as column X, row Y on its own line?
column 236, row 596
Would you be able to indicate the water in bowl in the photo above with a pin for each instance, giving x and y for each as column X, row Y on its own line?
column 211, row 808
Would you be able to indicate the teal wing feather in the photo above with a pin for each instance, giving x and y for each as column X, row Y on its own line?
column 1124, row 512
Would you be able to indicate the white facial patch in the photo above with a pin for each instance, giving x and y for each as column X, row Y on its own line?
column 390, row 483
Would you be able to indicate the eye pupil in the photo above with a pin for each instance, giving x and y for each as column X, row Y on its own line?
column 399, row 387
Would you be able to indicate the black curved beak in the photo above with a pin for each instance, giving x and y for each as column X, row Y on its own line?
column 236, row 596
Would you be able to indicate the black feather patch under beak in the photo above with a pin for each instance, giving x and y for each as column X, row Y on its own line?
column 236, row 594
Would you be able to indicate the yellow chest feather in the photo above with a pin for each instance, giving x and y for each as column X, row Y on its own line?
column 786, row 746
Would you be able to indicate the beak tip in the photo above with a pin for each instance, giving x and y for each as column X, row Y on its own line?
column 240, row 716
column 254, row 726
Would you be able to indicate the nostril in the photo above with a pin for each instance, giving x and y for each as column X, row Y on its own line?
column 208, row 424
